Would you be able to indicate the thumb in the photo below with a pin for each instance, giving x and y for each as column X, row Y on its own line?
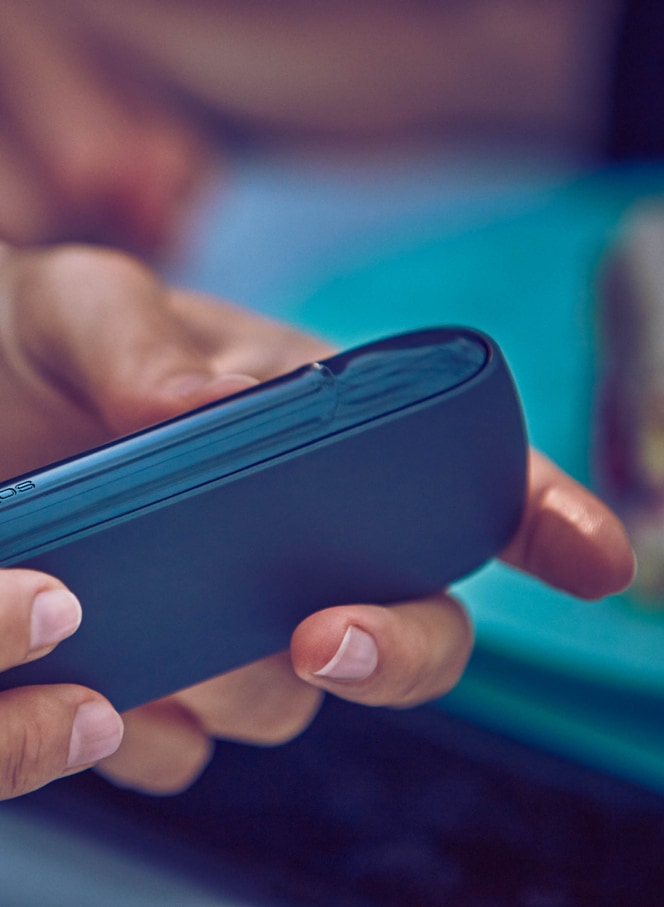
column 47, row 732
column 100, row 325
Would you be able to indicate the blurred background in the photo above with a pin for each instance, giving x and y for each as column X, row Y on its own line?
column 361, row 169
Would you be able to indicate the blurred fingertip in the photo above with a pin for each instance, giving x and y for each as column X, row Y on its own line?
column 589, row 557
column 164, row 750
column 204, row 387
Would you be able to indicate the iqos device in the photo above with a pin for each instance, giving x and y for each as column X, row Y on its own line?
column 197, row 545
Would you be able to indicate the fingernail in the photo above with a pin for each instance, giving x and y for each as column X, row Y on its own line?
column 56, row 614
column 96, row 733
column 355, row 659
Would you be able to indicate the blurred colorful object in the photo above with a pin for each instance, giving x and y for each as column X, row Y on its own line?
column 630, row 440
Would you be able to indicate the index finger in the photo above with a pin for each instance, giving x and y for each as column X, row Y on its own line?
column 98, row 326
column 568, row 537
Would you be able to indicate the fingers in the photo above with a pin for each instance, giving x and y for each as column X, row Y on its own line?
column 263, row 703
column 568, row 538
column 412, row 652
column 167, row 744
column 36, row 613
column 398, row 656
column 401, row 655
column 164, row 749
column 249, row 343
column 98, row 326
column 93, row 346
column 50, row 731
column 45, row 732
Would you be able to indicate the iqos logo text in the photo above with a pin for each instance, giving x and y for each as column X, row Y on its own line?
column 12, row 490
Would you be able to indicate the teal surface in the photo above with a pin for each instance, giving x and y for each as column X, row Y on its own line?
column 529, row 276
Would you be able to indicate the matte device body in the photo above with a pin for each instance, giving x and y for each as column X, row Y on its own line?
column 197, row 545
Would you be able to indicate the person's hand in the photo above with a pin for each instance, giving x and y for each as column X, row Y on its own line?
column 45, row 731
column 91, row 148
column 93, row 346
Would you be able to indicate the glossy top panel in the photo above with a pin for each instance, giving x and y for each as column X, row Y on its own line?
column 341, row 393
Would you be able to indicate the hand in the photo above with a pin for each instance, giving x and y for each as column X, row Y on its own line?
column 89, row 140
column 92, row 346
column 45, row 732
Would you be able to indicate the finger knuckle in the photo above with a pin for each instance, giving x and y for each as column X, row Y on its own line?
column 286, row 724
column 71, row 268
column 280, row 734
column 456, row 653
column 439, row 663
column 67, row 267
column 23, row 766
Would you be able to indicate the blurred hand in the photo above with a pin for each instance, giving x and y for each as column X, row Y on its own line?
column 89, row 148
column 102, row 135
column 92, row 346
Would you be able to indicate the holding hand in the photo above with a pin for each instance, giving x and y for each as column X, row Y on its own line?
column 45, row 732
column 93, row 346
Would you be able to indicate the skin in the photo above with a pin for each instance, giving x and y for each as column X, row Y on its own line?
column 92, row 345
column 107, row 134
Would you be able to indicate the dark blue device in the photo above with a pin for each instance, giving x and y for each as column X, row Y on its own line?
column 197, row 545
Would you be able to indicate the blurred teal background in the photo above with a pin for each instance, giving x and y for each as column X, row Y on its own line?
column 355, row 249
